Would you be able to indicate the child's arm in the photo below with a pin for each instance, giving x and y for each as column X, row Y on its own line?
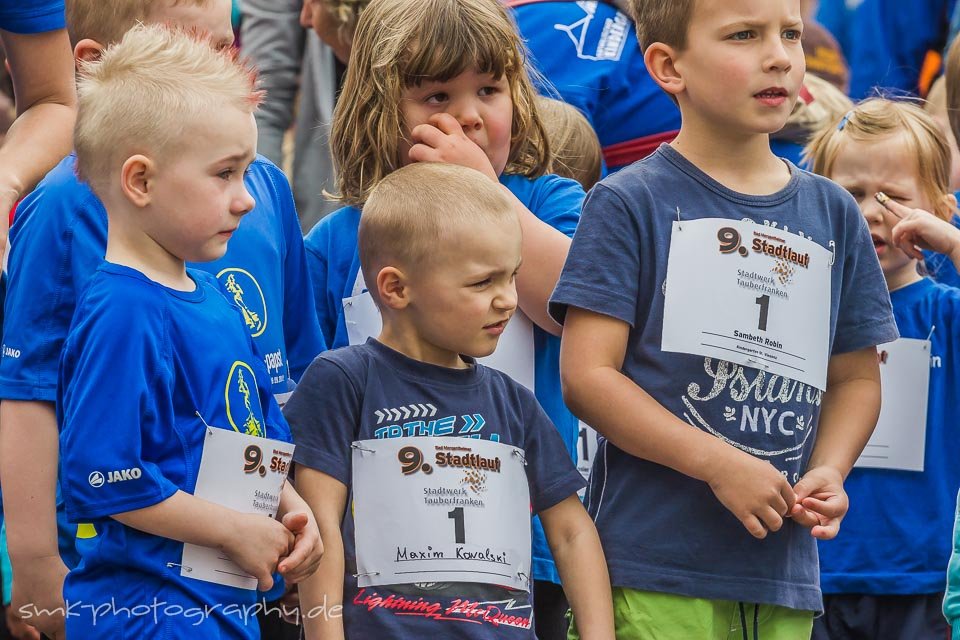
column 951, row 602
column 321, row 595
column 296, row 516
column 919, row 228
column 576, row 548
column 591, row 356
column 544, row 249
column 254, row 541
column 848, row 416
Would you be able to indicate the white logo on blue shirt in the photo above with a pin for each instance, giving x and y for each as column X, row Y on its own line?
column 611, row 41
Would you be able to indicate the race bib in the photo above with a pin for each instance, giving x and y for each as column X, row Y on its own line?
column 899, row 441
column 749, row 294
column 441, row 510
column 244, row 473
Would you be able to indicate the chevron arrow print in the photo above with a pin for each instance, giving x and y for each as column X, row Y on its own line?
column 406, row 412
column 472, row 423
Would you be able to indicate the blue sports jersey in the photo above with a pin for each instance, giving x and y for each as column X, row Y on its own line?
column 144, row 370
column 890, row 40
column 896, row 537
column 59, row 237
column 336, row 406
column 58, row 240
column 32, row 16
column 589, row 52
column 334, row 261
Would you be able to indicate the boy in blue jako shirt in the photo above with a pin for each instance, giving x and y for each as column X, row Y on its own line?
column 440, row 245
column 884, row 575
column 721, row 309
column 185, row 384
column 57, row 242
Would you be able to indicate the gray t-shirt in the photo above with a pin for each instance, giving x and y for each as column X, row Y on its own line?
column 661, row 530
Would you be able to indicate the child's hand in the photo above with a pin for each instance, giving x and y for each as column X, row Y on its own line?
column 307, row 549
column 921, row 229
column 821, row 502
column 753, row 491
column 443, row 140
column 256, row 543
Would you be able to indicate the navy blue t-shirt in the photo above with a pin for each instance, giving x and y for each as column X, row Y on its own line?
column 895, row 539
column 662, row 530
column 140, row 363
column 32, row 16
column 588, row 52
column 336, row 404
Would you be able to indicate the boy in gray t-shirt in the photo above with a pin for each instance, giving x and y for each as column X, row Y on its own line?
column 715, row 286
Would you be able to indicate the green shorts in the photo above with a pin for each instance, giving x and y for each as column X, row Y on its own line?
column 648, row 615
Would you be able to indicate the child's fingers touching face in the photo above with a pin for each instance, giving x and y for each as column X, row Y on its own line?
column 442, row 139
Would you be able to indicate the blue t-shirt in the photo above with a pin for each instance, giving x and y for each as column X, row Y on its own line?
column 940, row 267
column 59, row 237
column 589, row 52
column 895, row 539
column 334, row 261
column 335, row 405
column 32, row 16
column 662, row 530
column 139, row 364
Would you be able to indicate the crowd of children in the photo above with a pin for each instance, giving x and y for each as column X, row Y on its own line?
column 210, row 422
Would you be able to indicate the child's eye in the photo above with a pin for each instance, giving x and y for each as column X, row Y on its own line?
column 856, row 193
column 489, row 91
column 481, row 284
column 226, row 174
column 742, row 35
column 792, row 34
column 436, row 98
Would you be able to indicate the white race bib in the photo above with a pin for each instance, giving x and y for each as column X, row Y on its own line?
column 514, row 355
column 899, row 441
column 749, row 294
column 244, row 473
column 586, row 449
column 441, row 510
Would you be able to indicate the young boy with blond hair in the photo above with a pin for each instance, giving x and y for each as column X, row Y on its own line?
column 187, row 389
column 438, row 545
column 721, row 313
column 57, row 241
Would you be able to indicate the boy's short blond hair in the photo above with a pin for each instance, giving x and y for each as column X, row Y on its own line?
column 401, row 44
column 107, row 20
column 144, row 92
column 577, row 153
column 412, row 212
column 878, row 118
column 666, row 21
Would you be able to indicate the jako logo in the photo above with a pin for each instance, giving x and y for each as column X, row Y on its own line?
column 96, row 478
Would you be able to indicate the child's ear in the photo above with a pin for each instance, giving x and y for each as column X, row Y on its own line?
column 136, row 178
column 951, row 201
column 392, row 288
column 661, row 64
column 87, row 50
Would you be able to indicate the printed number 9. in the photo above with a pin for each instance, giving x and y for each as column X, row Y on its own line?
column 729, row 239
column 252, row 458
column 410, row 460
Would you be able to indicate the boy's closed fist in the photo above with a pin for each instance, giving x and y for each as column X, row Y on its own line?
column 256, row 543
column 307, row 549
column 753, row 491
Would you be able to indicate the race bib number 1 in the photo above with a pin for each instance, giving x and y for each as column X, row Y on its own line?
column 441, row 510
column 750, row 294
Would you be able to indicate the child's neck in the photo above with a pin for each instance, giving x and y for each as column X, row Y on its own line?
column 407, row 340
column 129, row 246
column 742, row 163
column 903, row 277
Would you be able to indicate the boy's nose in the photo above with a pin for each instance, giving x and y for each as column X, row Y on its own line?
column 777, row 58
column 507, row 299
column 244, row 203
column 306, row 15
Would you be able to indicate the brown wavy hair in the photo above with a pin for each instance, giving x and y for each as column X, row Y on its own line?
column 403, row 43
